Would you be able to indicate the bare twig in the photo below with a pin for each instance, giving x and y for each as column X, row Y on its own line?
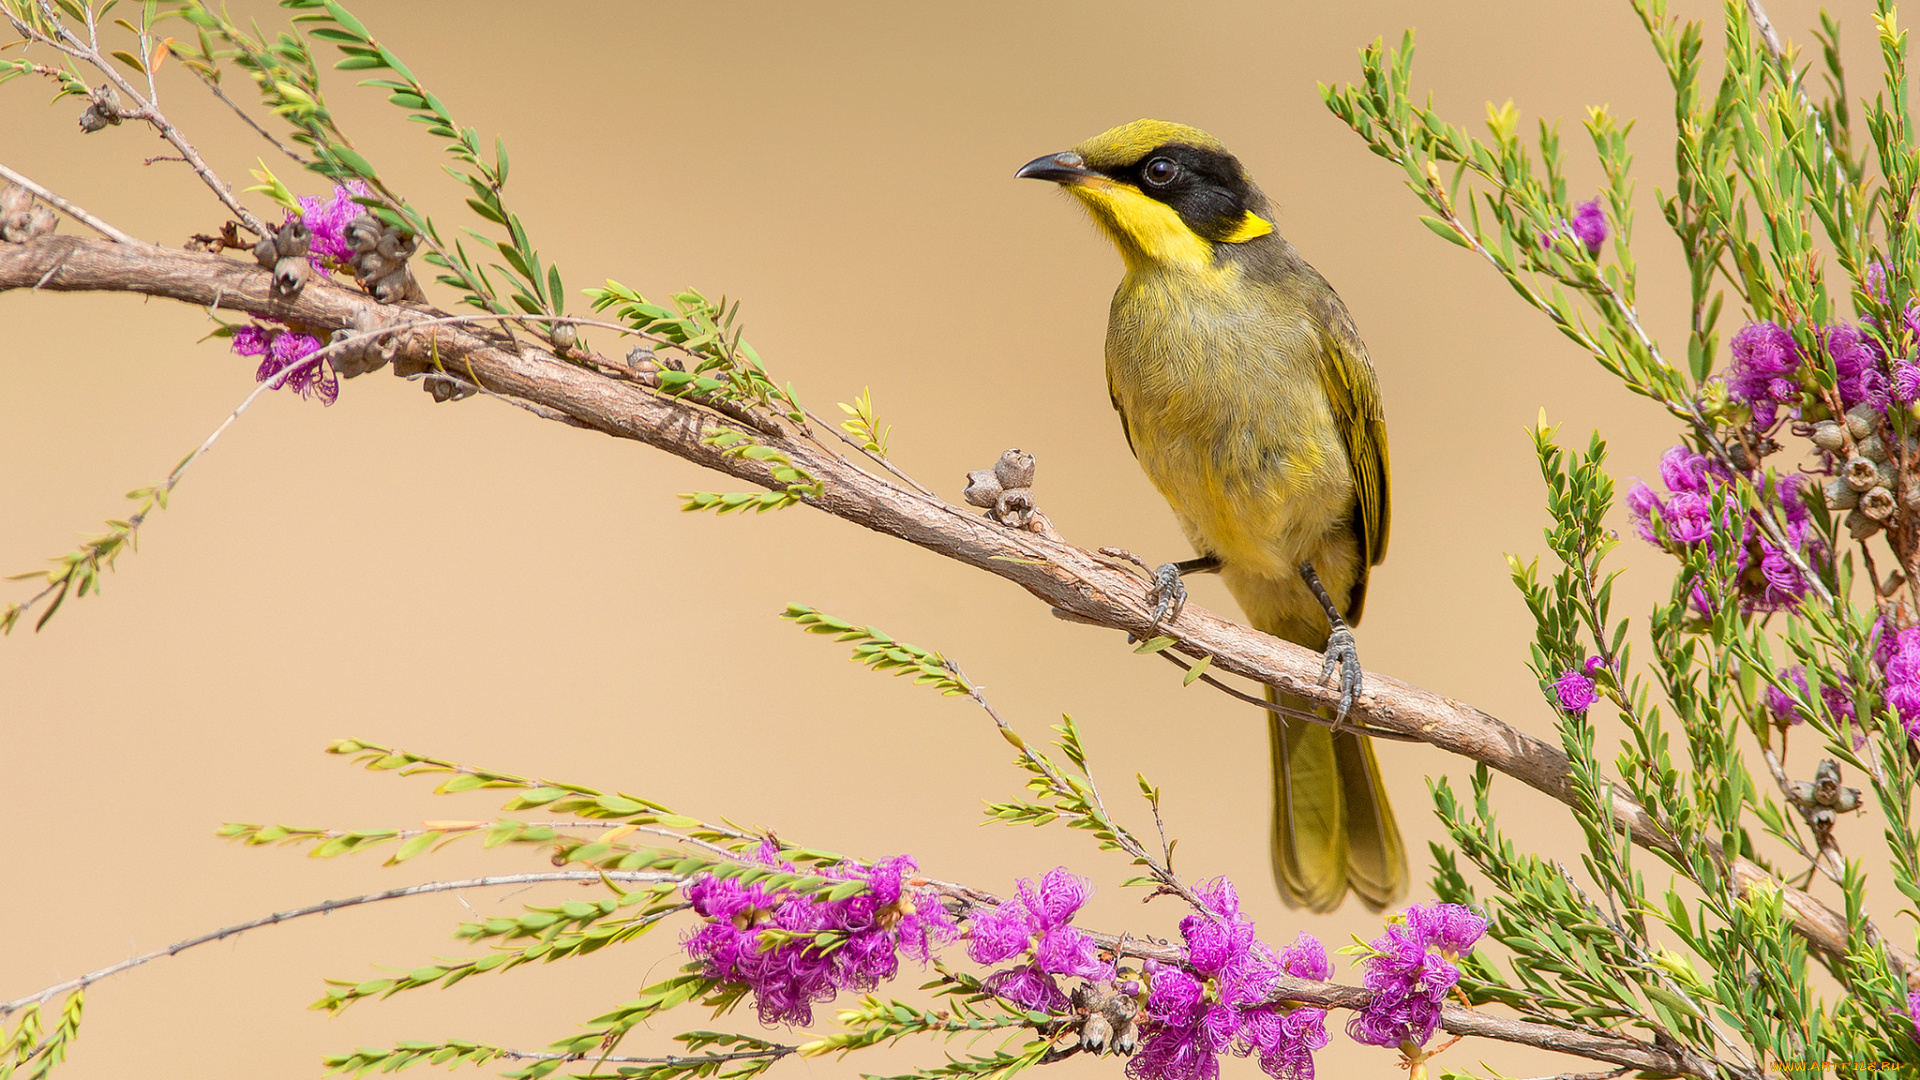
column 248, row 120
column 68, row 208
column 91, row 977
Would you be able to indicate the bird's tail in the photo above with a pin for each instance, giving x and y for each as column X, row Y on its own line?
column 1332, row 826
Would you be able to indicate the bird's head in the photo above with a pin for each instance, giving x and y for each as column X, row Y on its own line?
column 1166, row 194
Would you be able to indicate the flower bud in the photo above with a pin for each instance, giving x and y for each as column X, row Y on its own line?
column 1861, row 473
column 1829, row 436
column 1840, row 495
column 1861, row 420
column 1860, row 526
column 564, row 336
column 1014, row 469
column 982, row 488
column 1877, row 504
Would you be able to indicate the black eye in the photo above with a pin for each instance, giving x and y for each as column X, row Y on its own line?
column 1160, row 171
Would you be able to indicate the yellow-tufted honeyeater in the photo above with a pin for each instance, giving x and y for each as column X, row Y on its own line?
column 1249, row 400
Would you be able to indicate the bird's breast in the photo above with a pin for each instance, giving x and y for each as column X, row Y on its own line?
column 1220, row 389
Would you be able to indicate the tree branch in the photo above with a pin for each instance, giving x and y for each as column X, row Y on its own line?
column 1084, row 587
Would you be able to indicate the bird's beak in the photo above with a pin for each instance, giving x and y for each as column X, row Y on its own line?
column 1065, row 167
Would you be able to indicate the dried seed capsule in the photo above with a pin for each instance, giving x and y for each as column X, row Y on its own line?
column 1095, row 1030
column 1871, row 448
column 1861, row 420
column 1910, row 493
column 982, row 488
column 1014, row 469
column 15, row 199
column 1860, row 526
column 1877, row 503
column 1840, row 494
column 40, row 222
column 1861, row 473
column 1829, row 436
column 564, row 336
column 294, row 239
column 1801, row 792
column 362, row 233
column 290, row 275
column 266, row 252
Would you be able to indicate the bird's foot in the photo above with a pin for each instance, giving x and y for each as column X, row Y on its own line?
column 1168, row 594
column 1343, row 656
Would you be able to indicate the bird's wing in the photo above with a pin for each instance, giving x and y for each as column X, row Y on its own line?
column 1125, row 428
column 1354, row 392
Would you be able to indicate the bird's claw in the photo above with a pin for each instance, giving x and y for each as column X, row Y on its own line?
column 1168, row 594
column 1341, row 654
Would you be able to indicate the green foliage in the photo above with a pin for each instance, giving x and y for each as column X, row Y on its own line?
column 1770, row 181
column 78, row 572
column 30, row 1052
column 865, row 427
column 880, row 652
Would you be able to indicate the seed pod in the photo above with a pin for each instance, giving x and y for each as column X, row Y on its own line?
column 982, row 488
column 362, row 233
column 1014, row 469
column 1847, row 800
column 1829, row 436
column 1910, row 493
column 1871, row 448
column 1861, row 420
column 266, row 252
column 1860, row 526
column 1861, row 473
column 290, row 275
column 1878, row 504
column 40, row 222
column 15, row 199
column 294, row 239
column 564, row 336
column 1095, row 1030
column 1801, row 792
column 1126, row 1037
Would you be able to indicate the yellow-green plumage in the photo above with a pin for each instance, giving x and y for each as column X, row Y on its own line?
column 1250, row 402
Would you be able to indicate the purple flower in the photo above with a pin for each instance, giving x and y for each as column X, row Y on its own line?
column 1036, row 920
column 1217, row 1003
column 1766, row 361
column 1575, row 692
column 1856, row 361
column 1903, row 679
column 1410, row 972
column 328, row 221
column 281, row 348
column 794, row 950
column 1913, row 1012
column 1767, row 575
column 1589, row 225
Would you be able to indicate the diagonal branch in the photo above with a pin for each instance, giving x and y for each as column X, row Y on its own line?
column 1081, row 585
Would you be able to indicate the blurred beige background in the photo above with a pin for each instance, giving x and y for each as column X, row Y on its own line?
column 468, row 581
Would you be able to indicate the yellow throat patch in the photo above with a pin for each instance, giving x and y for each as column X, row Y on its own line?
column 1147, row 231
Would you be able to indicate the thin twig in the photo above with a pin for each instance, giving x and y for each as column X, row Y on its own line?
column 68, row 208
column 83, row 981
column 250, row 121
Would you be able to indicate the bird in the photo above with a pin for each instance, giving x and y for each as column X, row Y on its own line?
column 1247, row 397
